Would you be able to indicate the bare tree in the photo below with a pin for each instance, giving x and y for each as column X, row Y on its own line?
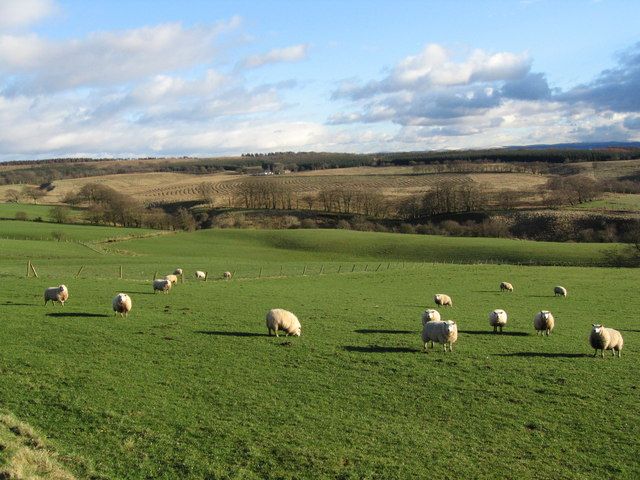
column 12, row 195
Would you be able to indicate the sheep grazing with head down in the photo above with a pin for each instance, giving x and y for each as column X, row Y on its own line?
column 121, row 304
column 161, row 285
column 506, row 286
column 559, row 291
column 200, row 275
column 172, row 278
column 56, row 294
column 279, row 319
column 226, row 275
column 602, row 338
column 543, row 322
column 443, row 300
column 430, row 315
column 444, row 332
column 498, row 319
column 177, row 271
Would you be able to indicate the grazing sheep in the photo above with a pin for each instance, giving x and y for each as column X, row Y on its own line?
column 430, row 315
column 445, row 332
column 56, row 294
column 177, row 271
column 226, row 275
column 602, row 338
column 543, row 322
column 443, row 300
column 121, row 304
column 498, row 319
column 162, row 285
column 172, row 278
column 279, row 319
column 559, row 291
column 506, row 286
column 200, row 275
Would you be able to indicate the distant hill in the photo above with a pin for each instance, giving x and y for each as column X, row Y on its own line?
column 577, row 146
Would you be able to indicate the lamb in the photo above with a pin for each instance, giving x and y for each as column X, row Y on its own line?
column 445, row 332
column 56, row 294
column 172, row 278
column 279, row 319
column 443, row 300
column 200, row 275
column 162, row 285
column 559, row 291
column 602, row 338
column 430, row 315
column 543, row 322
column 226, row 275
column 498, row 319
column 122, row 304
column 506, row 286
column 177, row 271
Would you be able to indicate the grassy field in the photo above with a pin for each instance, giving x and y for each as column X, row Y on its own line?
column 190, row 385
column 9, row 210
column 619, row 202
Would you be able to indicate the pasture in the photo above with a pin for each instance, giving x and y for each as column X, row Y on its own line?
column 190, row 385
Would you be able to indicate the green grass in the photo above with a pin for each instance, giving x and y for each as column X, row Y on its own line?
column 9, row 210
column 614, row 202
column 190, row 386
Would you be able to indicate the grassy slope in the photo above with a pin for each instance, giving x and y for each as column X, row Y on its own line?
column 9, row 210
column 189, row 386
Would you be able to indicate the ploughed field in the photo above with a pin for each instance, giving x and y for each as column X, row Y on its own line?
column 191, row 386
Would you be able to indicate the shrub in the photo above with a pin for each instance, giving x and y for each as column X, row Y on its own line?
column 20, row 215
column 406, row 228
column 308, row 223
column 343, row 224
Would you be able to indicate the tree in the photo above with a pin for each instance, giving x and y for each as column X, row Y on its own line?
column 207, row 192
column 12, row 195
column 59, row 214
column 33, row 193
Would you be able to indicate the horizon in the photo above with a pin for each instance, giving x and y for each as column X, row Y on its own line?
column 157, row 79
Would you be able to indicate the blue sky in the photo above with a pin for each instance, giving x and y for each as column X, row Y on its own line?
column 160, row 78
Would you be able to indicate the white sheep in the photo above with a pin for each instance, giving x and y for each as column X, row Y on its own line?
column 442, row 300
column 56, row 294
column 162, row 285
column 430, row 315
column 226, row 275
column 506, row 286
column 200, row 275
column 543, row 322
column 279, row 319
column 172, row 278
column 602, row 338
column 445, row 332
column 559, row 291
column 121, row 304
column 497, row 319
column 177, row 271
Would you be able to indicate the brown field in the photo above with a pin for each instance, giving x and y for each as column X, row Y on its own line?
column 161, row 188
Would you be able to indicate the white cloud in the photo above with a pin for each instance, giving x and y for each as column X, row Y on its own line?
column 294, row 53
column 19, row 13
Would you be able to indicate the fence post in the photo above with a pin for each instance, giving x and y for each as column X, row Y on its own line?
column 28, row 268
column 155, row 274
column 77, row 274
column 281, row 267
column 304, row 270
column 121, row 271
column 260, row 274
column 353, row 268
column 339, row 268
column 366, row 267
column 322, row 269
column 379, row 265
column 33, row 269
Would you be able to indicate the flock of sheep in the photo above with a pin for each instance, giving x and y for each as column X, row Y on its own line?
column 434, row 329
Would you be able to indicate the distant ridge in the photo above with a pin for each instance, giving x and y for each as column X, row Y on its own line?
column 575, row 146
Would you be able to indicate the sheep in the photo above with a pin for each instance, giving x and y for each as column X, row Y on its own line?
column 543, row 322
column 559, row 291
column 279, row 319
column 497, row 319
column 602, row 338
column 200, row 275
column 162, row 285
column 56, row 294
column 226, row 275
column 430, row 315
column 445, row 332
column 172, row 278
column 506, row 286
column 121, row 304
column 443, row 300
column 177, row 271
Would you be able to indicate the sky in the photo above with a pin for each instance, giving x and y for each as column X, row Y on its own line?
column 138, row 78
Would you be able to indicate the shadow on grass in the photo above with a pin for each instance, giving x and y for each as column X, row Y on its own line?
column 232, row 334
column 11, row 304
column 142, row 293
column 544, row 355
column 497, row 292
column 541, row 296
column 373, row 330
column 628, row 330
column 380, row 349
column 77, row 315
column 491, row 332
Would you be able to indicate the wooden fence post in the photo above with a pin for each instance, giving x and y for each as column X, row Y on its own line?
column 28, row 268
column 379, row 265
column 353, row 268
column 77, row 274
column 366, row 267
column 322, row 269
column 121, row 271
column 33, row 269
column 304, row 270
column 339, row 268
column 260, row 274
